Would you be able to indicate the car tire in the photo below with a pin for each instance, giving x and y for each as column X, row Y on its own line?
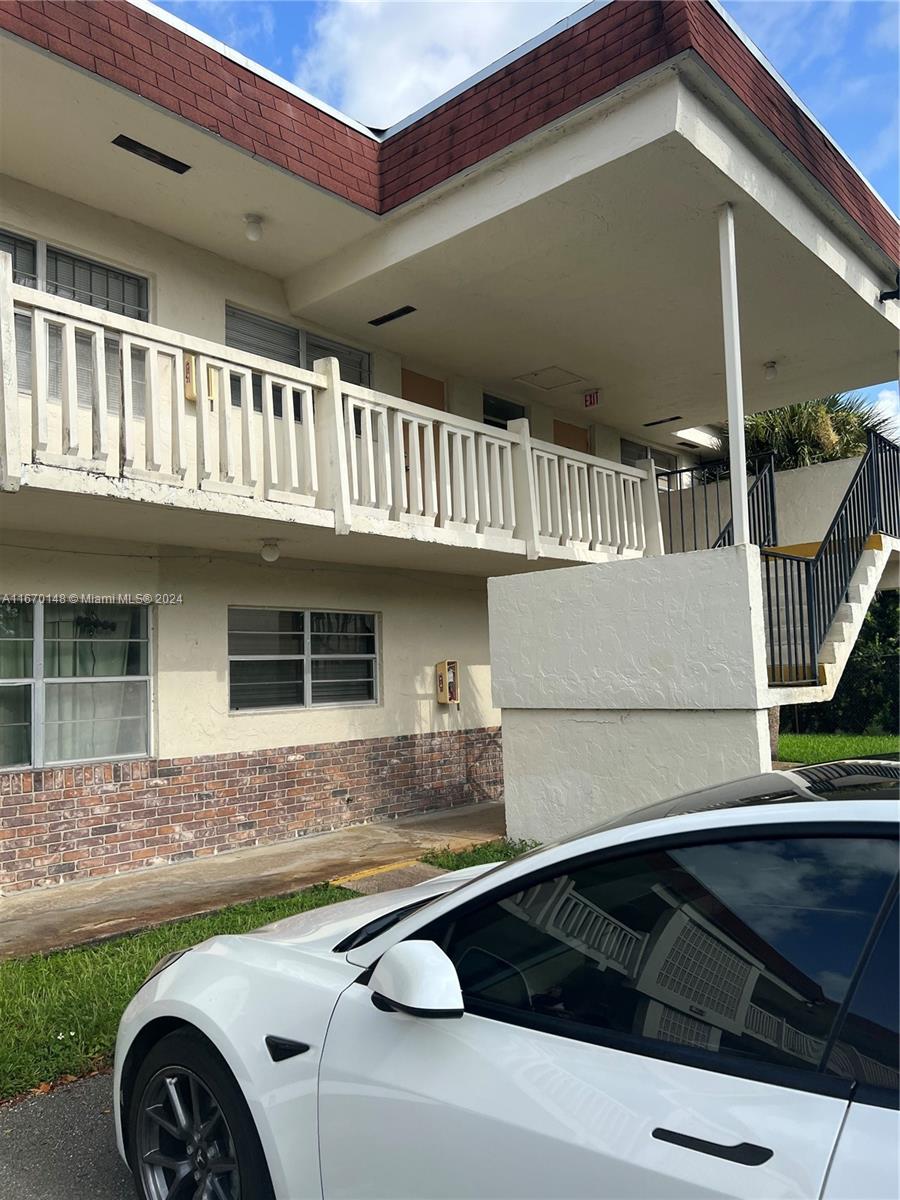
column 187, row 1116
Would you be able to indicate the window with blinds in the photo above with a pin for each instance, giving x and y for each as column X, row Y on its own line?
column 285, row 343
column 631, row 453
column 88, row 282
column 23, row 252
column 300, row 658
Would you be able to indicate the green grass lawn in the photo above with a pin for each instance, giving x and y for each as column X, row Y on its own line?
column 823, row 747
column 59, row 1012
column 476, row 856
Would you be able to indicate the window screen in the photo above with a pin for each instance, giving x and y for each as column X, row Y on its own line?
column 743, row 950
column 93, row 283
column 24, row 257
column 300, row 658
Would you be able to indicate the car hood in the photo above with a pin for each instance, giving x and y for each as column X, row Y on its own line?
column 323, row 928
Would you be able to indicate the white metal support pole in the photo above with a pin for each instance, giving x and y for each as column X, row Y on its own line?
column 734, row 386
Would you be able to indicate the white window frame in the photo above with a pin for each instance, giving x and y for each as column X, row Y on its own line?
column 40, row 267
column 37, row 681
column 307, row 658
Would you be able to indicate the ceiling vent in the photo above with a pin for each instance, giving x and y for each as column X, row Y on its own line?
column 155, row 156
column 548, row 379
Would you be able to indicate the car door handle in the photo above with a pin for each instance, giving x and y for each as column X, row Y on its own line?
column 745, row 1153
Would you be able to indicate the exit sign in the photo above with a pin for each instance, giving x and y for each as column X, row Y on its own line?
column 592, row 399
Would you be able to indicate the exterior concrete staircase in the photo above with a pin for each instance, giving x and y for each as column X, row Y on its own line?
column 844, row 630
column 816, row 596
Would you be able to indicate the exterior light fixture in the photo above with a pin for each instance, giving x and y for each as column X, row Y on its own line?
column 771, row 371
column 270, row 552
column 253, row 227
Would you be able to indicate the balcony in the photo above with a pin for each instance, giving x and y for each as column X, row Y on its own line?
column 100, row 405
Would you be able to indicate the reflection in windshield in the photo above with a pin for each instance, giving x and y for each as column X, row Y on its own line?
column 745, row 949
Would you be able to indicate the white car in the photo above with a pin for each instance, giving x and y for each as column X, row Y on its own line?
column 698, row 1000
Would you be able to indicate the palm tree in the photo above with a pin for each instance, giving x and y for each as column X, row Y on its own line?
column 811, row 431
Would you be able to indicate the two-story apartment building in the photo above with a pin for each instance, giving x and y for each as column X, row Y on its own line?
column 281, row 392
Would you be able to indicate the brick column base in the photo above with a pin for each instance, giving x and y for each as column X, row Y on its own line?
column 65, row 823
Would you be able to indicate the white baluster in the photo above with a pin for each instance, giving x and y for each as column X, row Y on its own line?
column 152, row 406
column 367, row 454
column 179, row 442
column 226, row 441
column 484, row 495
column 69, row 390
column 352, row 448
column 40, row 384
column 383, row 460
column 429, row 474
column 288, row 433
column 508, row 488
column 205, row 394
column 307, row 433
column 271, row 473
column 398, row 462
column 446, row 489
column 99, row 418
column 249, row 449
column 471, row 480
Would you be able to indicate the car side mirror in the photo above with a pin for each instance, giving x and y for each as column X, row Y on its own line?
column 416, row 978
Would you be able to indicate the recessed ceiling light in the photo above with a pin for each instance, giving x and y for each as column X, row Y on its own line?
column 395, row 315
column 155, row 156
column 550, row 378
column 661, row 421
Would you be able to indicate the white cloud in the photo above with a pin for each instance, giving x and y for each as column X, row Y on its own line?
column 245, row 25
column 380, row 60
column 885, row 35
column 887, row 405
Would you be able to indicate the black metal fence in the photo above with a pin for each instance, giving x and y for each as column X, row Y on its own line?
column 803, row 595
column 695, row 505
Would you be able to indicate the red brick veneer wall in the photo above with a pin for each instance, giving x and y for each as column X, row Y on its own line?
column 617, row 43
column 147, row 56
column 60, row 824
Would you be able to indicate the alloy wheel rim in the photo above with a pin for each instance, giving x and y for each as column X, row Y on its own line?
column 185, row 1149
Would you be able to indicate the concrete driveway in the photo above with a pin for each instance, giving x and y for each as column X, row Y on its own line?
column 62, row 1145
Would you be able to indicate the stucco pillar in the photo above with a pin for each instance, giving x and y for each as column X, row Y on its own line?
column 627, row 682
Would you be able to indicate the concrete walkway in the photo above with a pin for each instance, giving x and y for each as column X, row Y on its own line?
column 360, row 856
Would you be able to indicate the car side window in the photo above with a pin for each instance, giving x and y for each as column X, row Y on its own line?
column 866, row 1046
column 742, row 949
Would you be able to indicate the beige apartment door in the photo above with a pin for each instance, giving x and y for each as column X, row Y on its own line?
column 572, row 437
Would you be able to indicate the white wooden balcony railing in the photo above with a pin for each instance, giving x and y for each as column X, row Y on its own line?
column 175, row 419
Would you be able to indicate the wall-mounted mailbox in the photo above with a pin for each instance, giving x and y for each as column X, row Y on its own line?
column 446, row 675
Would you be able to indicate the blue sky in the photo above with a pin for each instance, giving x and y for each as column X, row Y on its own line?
column 379, row 60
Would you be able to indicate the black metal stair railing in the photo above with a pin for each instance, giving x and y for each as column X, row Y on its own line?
column 695, row 505
column 802, row 595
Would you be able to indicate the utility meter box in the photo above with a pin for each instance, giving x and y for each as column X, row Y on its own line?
column 446, row 677
column 190, row 377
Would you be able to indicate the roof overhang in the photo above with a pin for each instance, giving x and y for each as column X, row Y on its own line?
column 558, row 211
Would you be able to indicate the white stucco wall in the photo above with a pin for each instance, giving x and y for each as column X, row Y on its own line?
column 680, row 631
column 423, row 619
column 624, row 683
column 566, row 770
column 807, row 499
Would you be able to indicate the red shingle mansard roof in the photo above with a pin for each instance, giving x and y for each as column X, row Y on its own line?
column 147, row 56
